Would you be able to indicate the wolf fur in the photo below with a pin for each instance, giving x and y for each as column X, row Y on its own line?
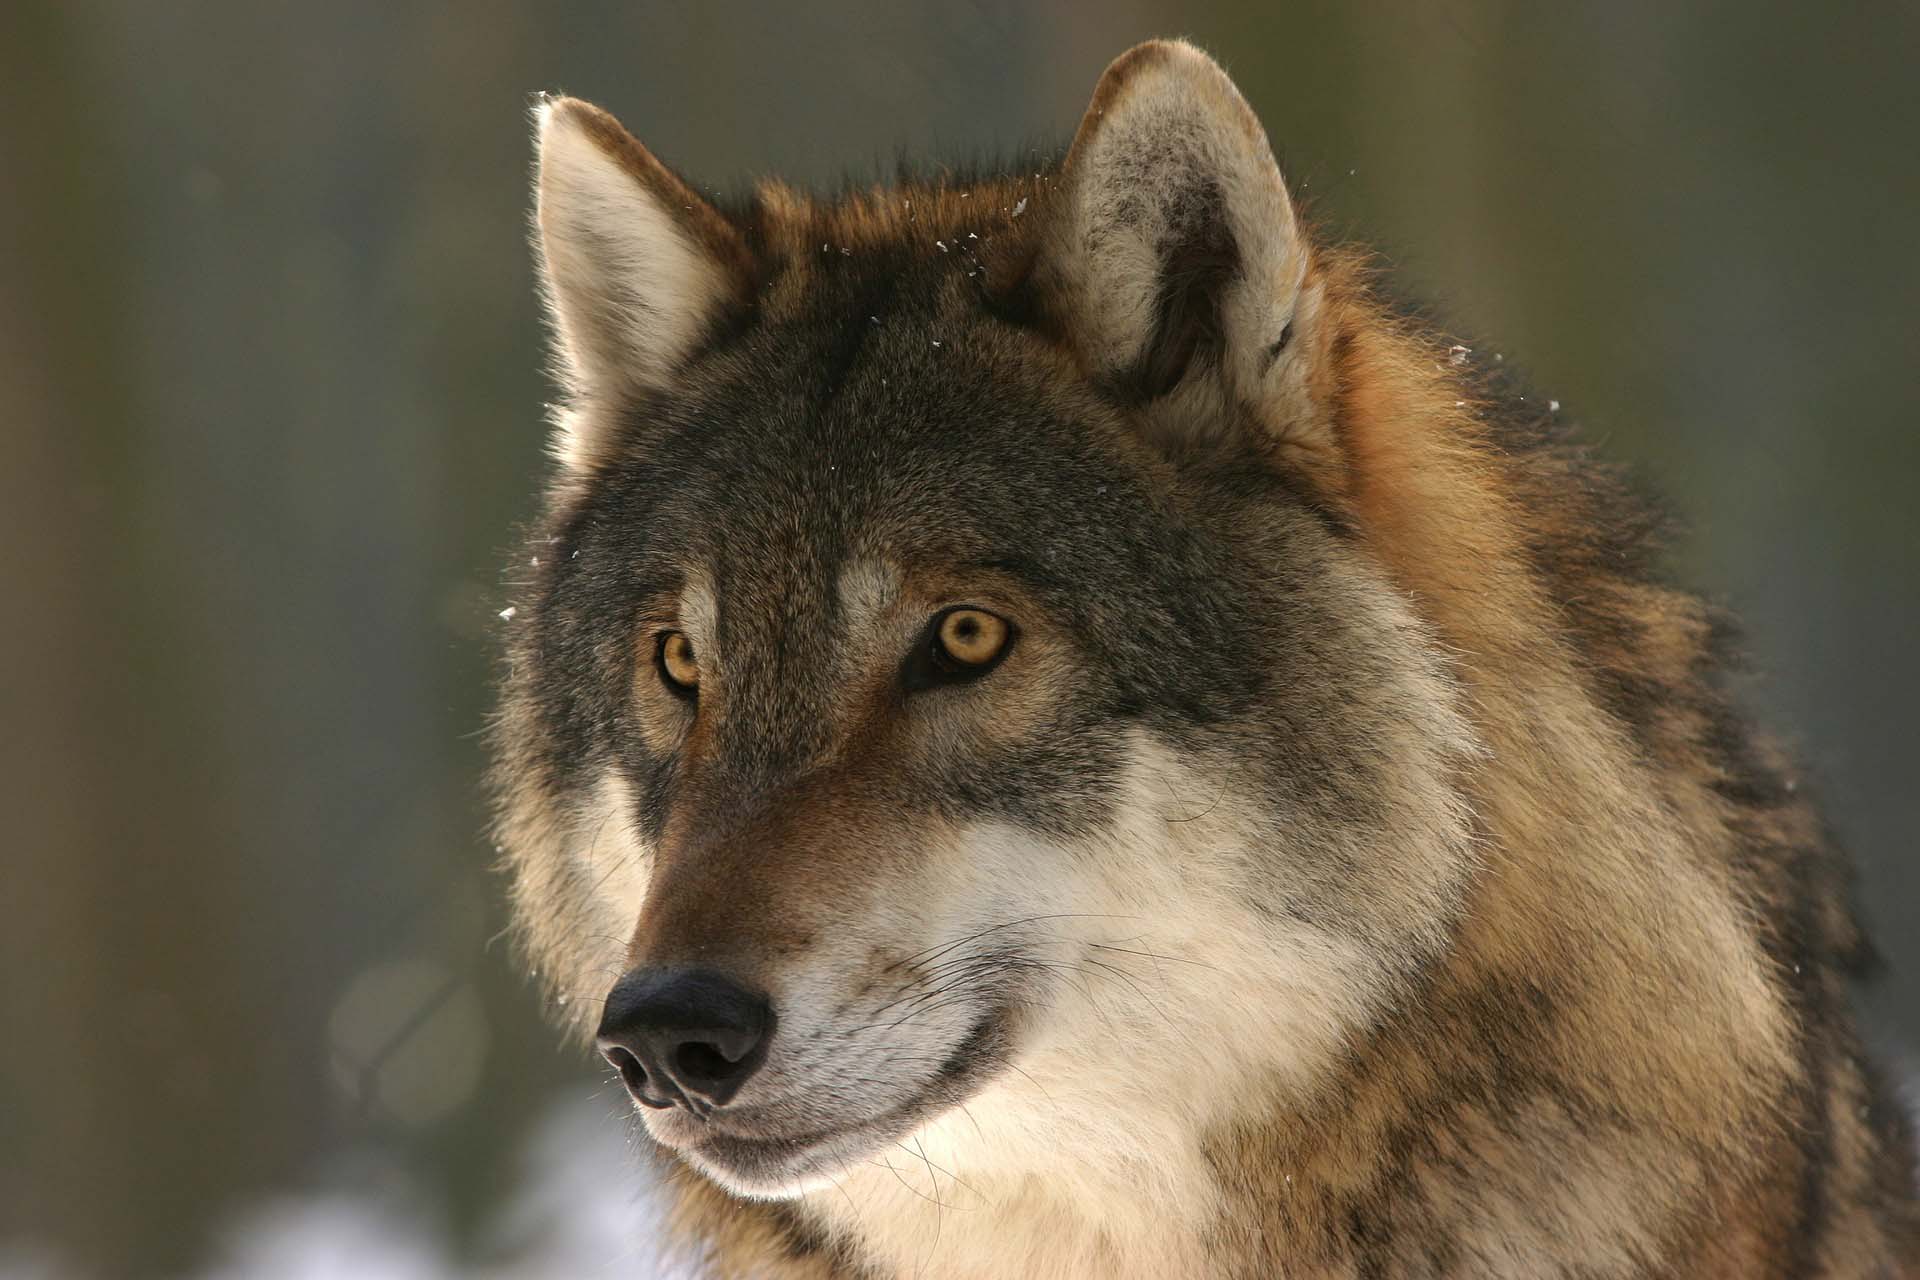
column 1354, row 868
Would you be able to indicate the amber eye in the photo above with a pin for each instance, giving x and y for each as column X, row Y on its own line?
column 971, row 637
column 678, row 666
column 961, row 644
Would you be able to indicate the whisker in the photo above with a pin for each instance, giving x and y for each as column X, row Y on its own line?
column 1154, row 956
column 888, row 1166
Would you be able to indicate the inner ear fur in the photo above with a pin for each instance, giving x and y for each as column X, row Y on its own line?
column 1176, row 253
column 637, row 266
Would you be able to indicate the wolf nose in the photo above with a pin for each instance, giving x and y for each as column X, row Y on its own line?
column 686, row 1037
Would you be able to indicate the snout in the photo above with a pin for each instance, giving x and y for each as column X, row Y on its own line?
column 684, row 1037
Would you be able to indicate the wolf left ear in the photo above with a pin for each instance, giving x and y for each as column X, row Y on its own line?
column 1177, row 252
column 637, row 265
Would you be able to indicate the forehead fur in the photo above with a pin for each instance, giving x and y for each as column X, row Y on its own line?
column 895, row 381
column 950, row 249
column 947, row 217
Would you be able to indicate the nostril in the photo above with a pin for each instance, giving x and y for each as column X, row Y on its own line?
column 627, row 1065
column 696, row 1061
column 686, row 1038
column 632, row 1074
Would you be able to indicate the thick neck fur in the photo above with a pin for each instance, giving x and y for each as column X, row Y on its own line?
column 1600, row 1062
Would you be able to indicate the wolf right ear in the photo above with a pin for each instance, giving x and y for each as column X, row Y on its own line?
column 1177, row 256
column 637, row 266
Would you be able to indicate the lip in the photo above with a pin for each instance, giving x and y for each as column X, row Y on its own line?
column 774, row 1163
column 781, row 1157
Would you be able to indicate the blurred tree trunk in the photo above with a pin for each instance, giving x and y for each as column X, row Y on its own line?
column 126, row 1100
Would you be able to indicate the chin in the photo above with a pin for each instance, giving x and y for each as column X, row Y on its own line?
column 764, row 1163
column 761, row 1171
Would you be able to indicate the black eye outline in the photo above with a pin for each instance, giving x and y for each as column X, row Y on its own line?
column 930, row 665
column 677, row 687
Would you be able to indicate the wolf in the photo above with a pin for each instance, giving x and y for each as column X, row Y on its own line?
column 1053, row 731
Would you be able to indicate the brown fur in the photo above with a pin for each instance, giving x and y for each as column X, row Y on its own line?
column 1580, row 948
column 1636, row 1055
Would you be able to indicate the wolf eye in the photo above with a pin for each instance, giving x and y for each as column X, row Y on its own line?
column 970, row 637
column 679, row 669
column 962, row 644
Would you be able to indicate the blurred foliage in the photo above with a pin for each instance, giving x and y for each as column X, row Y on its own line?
column 272, row 405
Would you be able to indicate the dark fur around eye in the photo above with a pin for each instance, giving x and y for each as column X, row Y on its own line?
column 1280, row 343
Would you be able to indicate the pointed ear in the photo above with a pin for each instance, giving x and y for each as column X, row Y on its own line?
column 637, row 266
column 1176, row 253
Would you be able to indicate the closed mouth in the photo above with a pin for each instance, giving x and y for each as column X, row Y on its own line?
column 772, row 1162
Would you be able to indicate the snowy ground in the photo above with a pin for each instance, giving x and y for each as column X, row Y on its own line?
column 586, row 1209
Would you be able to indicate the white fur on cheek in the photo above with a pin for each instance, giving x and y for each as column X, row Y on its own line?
column 614, row 864
column 1169, row 1001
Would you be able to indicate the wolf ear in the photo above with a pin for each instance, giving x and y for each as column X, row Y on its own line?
column 637, row 266
column 1177, row 247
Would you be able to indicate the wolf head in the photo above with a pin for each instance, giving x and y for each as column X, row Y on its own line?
column 952, row 704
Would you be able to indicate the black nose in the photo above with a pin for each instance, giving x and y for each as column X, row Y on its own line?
column 686, row 1037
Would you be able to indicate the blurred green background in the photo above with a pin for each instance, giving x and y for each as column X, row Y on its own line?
column 271, row 399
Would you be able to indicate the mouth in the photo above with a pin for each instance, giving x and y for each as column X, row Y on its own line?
column 770, row 1163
